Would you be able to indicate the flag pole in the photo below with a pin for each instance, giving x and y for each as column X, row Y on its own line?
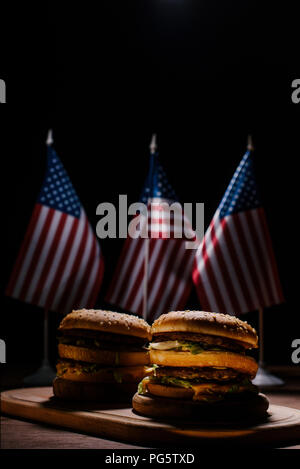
column 261, row 336
column 45, row 374
column 46, row 338
column 153, row 148
column 263, row 379
column 250, row 146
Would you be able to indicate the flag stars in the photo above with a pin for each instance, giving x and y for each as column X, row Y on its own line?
column 241, row 193
column 58, row 192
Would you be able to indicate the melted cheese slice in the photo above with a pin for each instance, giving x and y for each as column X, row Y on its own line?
column 167, row 345
column 207, row 388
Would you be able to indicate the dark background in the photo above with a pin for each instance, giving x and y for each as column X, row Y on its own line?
column 202, row 74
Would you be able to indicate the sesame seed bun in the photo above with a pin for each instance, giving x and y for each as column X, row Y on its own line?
column 203, row 322
column 106, row 321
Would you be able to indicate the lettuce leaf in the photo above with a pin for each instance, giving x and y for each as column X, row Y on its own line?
column 142, row 386
column 183, row 383
column 185, row 346
column 198, row 347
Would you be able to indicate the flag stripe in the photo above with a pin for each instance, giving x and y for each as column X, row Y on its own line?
column 279, row 293
column 53, row 271
column 135, row 300
column 208, row 282
column 74, row 271
column 228, row 275
column 91, row 273
column 166, row 265
column 126, row 288
column 248, row 260
column 29, row 252
column 57, row 282
column 234, row 269
column 136, row 270
column 111, row 293
column 256, row 247
column 249, row 287
column 23, row 250
column 124, row 269
column 60, row 260
column 155, row 258
column 161, row 288
column 270, row 274
column 42, row 256
column 45, row 268
column 202, row 286
column 165, row 298
column 95, row 290
column 182, row 284
column 220, row 272
column 238, row 268
column 67, row 268
column 241, row 254
column 81, row 275
column 39, row 240
column 249, row 242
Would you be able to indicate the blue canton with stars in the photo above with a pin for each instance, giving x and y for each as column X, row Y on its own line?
column 57, row 191
column 157, row 184
column 241, row 194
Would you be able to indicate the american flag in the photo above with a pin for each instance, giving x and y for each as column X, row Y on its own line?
column 235, row 269
column 170, row 264
column 59, row 265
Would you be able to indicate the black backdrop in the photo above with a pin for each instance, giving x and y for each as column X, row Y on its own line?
column 201, row 74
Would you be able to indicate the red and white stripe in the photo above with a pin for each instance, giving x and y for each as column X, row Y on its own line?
column 235, row 269
column 59, row 265
column 169, row 270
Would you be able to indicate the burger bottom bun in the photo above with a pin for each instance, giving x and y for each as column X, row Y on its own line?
column 242, row 408
column 96, row 392
column 200, row 393
column 103, row 357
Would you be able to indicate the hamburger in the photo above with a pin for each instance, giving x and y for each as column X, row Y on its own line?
column 200, row 366
column 102, row 355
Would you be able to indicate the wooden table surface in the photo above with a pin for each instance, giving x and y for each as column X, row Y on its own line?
column 19, row 434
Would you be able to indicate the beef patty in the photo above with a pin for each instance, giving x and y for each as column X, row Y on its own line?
column 211, row 374
column 223, row 342
column 98, row 339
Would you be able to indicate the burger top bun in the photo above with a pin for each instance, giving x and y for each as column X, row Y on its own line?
column 203, row 322
column 106, row 321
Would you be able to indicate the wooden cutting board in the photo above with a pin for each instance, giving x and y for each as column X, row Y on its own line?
column 119, row 422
